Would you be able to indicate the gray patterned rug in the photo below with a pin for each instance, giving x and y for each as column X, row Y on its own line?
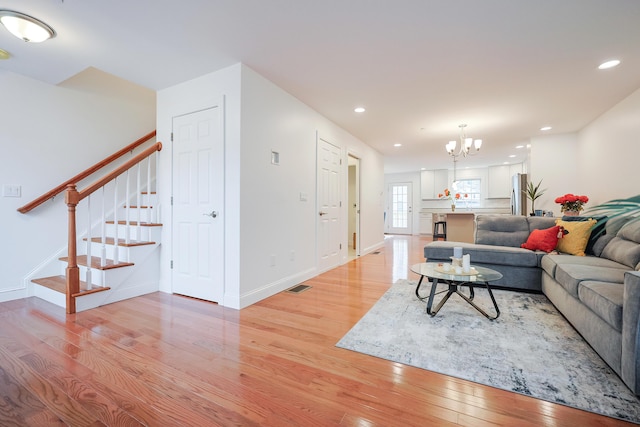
column 530, row 349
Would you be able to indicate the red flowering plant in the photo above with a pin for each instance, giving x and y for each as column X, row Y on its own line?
column 448, row 195
column 571, row 202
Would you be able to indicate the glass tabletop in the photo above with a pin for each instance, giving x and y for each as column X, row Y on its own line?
column 436, row 270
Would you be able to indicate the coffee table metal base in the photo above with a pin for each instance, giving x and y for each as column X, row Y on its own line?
column 454, row 288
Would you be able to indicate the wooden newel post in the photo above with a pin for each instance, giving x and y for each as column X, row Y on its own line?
column 72, row 198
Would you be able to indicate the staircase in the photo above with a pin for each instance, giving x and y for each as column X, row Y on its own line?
column 118, row 256
column 127, row 272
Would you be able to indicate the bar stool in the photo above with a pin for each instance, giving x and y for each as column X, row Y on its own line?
column 439, row 227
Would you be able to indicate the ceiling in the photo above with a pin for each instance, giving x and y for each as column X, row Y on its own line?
column 419, row 67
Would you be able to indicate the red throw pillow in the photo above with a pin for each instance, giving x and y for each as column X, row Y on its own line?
column 543, row 240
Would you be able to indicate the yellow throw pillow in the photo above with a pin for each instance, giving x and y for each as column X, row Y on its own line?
column 575, row 240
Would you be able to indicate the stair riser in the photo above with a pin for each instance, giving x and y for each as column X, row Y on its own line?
column 146, row 215
column 152, row 234
column 125, row 253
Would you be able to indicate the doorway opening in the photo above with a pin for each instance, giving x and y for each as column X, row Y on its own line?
column 353, row 207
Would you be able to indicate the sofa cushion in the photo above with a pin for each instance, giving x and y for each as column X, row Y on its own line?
column 543, row 240
column 551, row 261
column 597, row 230
column 484, row 254
column 601, row 242
column 576, row 236
column 605, row 299
column 569, row 276
column 540, row 222
column 625, row 247
column 501, row 230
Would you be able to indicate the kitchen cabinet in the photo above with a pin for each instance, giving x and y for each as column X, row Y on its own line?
column 432, row 183
column 426, row 223
column 427, row 185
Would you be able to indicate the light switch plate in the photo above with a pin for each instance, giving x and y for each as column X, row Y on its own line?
column 11, row 190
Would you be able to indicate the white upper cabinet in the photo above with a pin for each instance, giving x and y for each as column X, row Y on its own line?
column 427, row 185
column 432, row 183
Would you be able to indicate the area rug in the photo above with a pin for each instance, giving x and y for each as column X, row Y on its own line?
column 530, row 349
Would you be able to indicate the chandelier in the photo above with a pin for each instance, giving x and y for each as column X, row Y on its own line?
column 464, row 149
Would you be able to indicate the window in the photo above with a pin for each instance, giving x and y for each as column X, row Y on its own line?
column 470, row 187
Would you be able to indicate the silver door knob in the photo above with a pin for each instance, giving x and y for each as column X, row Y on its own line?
column 213, row 214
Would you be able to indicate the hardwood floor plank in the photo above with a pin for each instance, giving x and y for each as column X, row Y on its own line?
column 170, row 360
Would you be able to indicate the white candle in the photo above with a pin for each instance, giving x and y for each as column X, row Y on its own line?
column 457, row 252
column 466, row 263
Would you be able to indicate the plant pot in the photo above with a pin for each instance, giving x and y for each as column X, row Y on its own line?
column 571, row 213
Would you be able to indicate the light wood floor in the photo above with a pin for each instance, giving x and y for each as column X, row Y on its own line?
column 166, row 360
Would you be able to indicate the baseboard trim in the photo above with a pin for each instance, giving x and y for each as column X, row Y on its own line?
column 273, row 288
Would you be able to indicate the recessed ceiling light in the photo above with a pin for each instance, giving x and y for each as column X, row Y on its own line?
column 609, row 64
column 397, row 145
column 359, row 110
column 423, row 169
column 512, row 156
column 519, row 146
column 505, row 163
column 545, row 128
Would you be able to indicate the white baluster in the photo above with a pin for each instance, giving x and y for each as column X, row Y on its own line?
column 149, row 216
column 103, row 233
column 116, row 255
column 127, row 229
column 88, row 275
column 157, row 216
column 138, row 194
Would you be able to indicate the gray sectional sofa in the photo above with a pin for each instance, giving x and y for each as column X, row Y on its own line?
column 599, row 294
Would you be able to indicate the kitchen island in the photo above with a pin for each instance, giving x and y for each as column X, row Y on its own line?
column 461, row 227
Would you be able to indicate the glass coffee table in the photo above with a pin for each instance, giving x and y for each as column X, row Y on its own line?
column 437, row 273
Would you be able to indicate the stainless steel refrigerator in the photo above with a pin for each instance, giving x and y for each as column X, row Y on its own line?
column 518, row 194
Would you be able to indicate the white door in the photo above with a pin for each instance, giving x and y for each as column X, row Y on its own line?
column 329, row 205
column 400, row 208
column 198, row 211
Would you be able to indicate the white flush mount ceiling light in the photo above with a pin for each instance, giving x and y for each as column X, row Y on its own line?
column 465, row 145
column 26, row 27
column 545, row 128
column 609, row 64
column 359, row 110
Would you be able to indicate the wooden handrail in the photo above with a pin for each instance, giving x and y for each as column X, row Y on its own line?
column 119, row 171
column 82, row 175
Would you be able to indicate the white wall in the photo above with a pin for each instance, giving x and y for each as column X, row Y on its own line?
column 264, row 213
column 609, row 153
column 274, row 219
column 601, row 161
column 553, row 159
column 49, row 134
